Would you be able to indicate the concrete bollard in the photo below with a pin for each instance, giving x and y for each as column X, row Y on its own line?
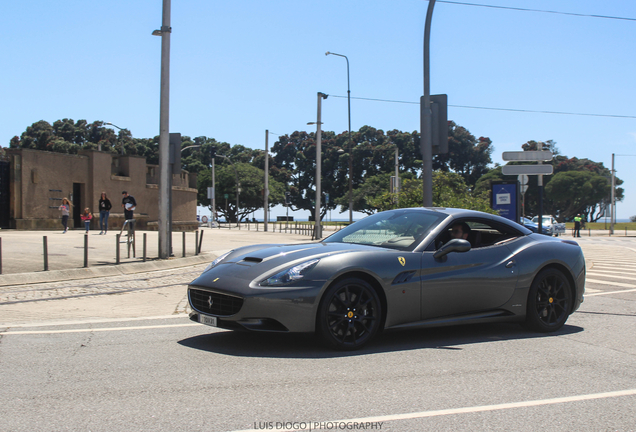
column 117, row 237
column 85, row 250
column 46, row 253
column 144, row 257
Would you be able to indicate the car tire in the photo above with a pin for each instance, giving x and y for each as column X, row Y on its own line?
column 549, row 301
column 349, row 315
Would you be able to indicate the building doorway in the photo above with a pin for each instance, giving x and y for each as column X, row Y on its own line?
column 77, row 205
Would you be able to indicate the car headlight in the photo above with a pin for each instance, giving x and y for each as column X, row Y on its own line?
column 216, row 261
column 290, row 275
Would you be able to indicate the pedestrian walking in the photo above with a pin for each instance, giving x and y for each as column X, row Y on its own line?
column 86, row 217
column 65, row 207
column 104, row 212
column 129, row 204
column 577, row 226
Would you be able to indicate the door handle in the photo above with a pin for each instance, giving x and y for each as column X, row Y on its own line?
column 511, row 264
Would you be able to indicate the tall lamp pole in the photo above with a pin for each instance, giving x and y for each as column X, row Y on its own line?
column 612, row 208
column 350, row 160
column 266, row 190
column 318, row 123
column 164, row 138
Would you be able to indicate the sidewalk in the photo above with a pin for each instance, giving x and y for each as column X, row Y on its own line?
column 22, row 252
column 131, row 291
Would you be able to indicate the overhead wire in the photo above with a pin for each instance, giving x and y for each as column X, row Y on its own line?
column 514, row 109
column 538, row 10
column 498, row 109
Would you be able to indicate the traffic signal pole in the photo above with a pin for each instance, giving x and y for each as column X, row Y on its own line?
column 426, row 132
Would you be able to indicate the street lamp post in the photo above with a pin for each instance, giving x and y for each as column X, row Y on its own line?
column 122, row 145
column 350, row 160
column 318, row 123
column 612, row 208
column 266, row 189
column 396, row 185
column 164, row 111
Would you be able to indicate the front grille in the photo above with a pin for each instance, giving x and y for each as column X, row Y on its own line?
column 223, row 305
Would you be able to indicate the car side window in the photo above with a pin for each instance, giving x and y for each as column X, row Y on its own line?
column 481, row 233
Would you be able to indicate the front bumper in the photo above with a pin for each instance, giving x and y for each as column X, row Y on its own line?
column 273, row 310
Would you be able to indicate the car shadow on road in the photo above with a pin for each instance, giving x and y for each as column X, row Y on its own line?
column 278, row 345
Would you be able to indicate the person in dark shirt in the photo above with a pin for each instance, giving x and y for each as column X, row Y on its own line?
column 128, row 203
column 104, row 212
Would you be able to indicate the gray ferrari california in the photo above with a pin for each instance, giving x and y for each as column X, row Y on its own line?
column 395, row 269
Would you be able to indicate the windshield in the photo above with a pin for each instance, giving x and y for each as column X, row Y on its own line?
column 395, row 229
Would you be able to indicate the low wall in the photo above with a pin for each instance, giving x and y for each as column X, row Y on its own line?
column 115, row 221
column 177, row 226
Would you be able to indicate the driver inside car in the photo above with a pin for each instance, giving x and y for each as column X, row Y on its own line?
column 460, row 230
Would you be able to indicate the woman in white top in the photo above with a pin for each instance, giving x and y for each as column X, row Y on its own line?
column 65, row 208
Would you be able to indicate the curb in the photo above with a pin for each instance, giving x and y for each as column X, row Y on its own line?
column 104, row 271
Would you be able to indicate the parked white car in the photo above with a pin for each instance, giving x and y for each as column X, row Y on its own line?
column 550, row 225
column 545, row 219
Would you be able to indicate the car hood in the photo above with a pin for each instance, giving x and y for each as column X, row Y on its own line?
column 254, row 263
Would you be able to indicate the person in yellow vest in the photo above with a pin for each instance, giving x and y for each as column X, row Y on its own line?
column 577, row 226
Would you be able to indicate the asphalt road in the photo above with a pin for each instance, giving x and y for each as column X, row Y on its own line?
column 135, row 371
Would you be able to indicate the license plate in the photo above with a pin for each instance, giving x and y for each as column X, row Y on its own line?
column 208, row 320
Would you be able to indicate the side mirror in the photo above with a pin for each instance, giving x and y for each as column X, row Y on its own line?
column 455, row 245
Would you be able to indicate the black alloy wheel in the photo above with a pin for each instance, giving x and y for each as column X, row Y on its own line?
column 549, row 301
column 349, row 315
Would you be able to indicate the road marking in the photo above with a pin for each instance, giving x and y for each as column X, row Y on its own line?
column 620, row 284
column 91, row 321
column 609, row 267
column 611, row 275
column 323, row 425
column 85, row 330
column 612, row 261
column 610, row 292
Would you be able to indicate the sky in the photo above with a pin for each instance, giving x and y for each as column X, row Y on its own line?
column 239, row 68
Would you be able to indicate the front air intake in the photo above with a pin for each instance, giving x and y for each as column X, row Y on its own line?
column 212, row 303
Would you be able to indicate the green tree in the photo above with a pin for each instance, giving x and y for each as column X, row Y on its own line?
column 37, row 136
column 66, row 136
column 449, row 190
column 575, row 192
column 294, row 164
column 252, row 184
column 467, row 155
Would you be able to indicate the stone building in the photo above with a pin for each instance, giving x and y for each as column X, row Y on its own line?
column 38, row 180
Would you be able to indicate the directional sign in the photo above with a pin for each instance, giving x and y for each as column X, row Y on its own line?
column 527, row 169
column 542, row 155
